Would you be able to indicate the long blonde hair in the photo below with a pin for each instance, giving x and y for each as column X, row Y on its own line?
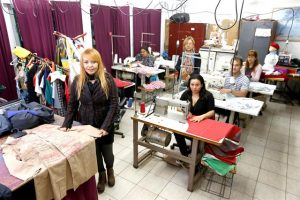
column 93, row 55
column 186, row 41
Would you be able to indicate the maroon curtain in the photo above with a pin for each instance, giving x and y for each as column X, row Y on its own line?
column 36, row 26
column 67, row 17
column 148, row 21
column 107, row 19
column 7, row 74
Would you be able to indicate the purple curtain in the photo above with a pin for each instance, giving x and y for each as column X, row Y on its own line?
column 107, row 19
column 36, row 26
column 67, row 17
column 7, row 74
column 148, row 21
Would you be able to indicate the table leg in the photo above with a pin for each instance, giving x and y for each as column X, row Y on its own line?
column 193, row 163
column 231, row 117
column 135, row 144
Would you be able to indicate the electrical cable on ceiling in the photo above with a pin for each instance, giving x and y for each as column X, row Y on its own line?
column 180, row 5
column 236, row 16
column 143, row 9
column 89, row 13
column 239, row 28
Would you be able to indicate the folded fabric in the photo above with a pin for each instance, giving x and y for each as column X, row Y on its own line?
column 218, row 166
column 229, row 159
column 211, row 129
column 121, row 84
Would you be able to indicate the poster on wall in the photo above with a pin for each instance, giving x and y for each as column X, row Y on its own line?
column 288, row 23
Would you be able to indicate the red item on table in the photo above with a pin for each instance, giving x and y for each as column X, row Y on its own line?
column 211, row 129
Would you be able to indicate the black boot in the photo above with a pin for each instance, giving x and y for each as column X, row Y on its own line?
column 101, row 182
column 110, row 177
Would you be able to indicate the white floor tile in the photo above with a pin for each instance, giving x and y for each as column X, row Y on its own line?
column 164, row 170
column 243, row 185
column 153, row 183
column 251, row 159
column 290, row 196
column 272, row 179
column 181, row 177
column 277, row 146
column 293, row 187
column 121, row 188
column 105, row 196
column 132, row 174
column 256, row 140
column 293, row 172
column 120, row 165
column 265, row 192
column 138, row 193
column 254, row 149
column 247, row 171
column 274, row 166
column 174, row 191
column 276, row 155
column 294, row 160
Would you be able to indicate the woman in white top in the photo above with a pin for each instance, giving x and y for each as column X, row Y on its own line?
column 252, row 67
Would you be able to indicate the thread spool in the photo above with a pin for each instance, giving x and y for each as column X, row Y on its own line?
column 129, row 102
column 142, row 107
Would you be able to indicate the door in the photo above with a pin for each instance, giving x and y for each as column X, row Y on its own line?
column 179, row 31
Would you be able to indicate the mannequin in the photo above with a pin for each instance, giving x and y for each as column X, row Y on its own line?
column 271, row 59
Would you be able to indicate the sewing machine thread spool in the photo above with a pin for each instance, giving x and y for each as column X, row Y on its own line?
column 129, row 102
column 142, row 107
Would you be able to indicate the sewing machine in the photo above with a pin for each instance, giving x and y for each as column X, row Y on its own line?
column 162, row 105
column 214, row 83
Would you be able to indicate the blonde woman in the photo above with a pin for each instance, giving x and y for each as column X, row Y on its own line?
column 190, row 62
column 95, row 91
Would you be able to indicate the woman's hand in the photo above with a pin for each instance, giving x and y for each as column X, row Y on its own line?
column 197, row 118
column 64, row 129
column 103, row 133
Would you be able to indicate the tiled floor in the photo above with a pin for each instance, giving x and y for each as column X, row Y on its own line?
column 269, row 168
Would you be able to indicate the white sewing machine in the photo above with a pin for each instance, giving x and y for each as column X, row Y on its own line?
column 162, row 105
column 214, row 84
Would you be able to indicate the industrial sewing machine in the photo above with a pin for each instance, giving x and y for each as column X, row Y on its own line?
column 214, row 83
column 163, row 104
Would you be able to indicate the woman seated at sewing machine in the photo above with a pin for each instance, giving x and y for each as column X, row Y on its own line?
column 144, row 57
column 202, row 106
column 190, row 62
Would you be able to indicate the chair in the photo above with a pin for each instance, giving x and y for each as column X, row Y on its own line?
column 121, row 112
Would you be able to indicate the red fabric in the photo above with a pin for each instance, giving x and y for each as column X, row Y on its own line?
column 86, row 191
column 67, row 93
column 210, row 129
column 121, row 84
column 228, row 159
column 284, row 76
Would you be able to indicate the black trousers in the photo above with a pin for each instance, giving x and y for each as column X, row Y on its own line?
column 104, row 152
column 180, row 139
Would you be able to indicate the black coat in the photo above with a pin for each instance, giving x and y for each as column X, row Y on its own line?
column 95, row 109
